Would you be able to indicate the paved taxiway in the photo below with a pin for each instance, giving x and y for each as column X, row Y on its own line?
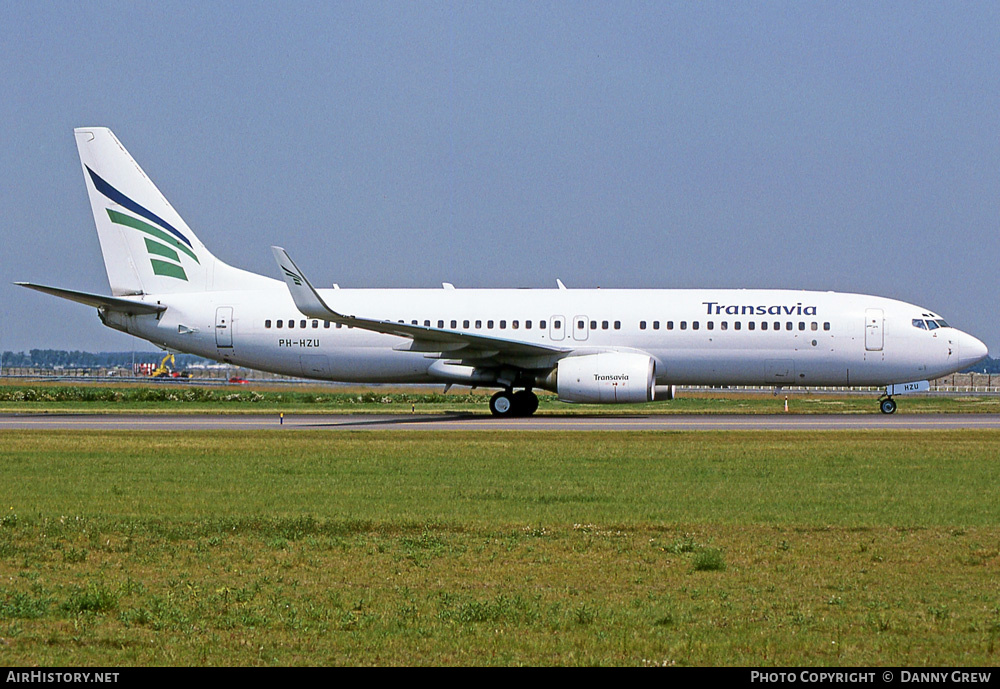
column 461, row 422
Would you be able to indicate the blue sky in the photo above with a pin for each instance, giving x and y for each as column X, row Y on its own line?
column 822, row 145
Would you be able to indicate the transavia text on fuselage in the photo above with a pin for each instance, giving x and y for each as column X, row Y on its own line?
column 714, row 308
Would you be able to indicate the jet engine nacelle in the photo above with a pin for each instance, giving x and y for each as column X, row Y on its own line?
column 605, row 378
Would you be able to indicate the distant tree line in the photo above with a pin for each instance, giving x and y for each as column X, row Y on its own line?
column 60, row 358
column 987, row 365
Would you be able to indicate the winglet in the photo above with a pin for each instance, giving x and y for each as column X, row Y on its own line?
column 305, row 296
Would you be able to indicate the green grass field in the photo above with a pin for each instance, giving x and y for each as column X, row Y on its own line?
column 702, row 548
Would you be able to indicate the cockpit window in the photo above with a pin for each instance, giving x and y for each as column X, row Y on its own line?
column 919, row 323
column 942, row 323
column 932, row 325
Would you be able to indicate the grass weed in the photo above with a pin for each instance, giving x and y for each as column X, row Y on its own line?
column 709, row 560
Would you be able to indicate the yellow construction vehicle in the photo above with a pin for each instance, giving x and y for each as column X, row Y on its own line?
column 165, row 371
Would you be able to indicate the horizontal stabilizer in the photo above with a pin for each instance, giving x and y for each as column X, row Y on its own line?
column 133, row 308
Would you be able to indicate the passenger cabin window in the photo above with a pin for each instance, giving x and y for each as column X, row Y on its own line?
column 656, row 325
column 315, row 324
column 618, row 325
column 826, row 326
column 684, row 325
column 694, row 326
column 291, row 324
column 642, row 325
column 724, row 325
column 267, row 323
column 326, row 324
column 302, row 324
column 440, row 324
column 465, row 324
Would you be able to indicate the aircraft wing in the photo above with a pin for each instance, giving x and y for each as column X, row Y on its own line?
column 450, row 344
column 100, row 301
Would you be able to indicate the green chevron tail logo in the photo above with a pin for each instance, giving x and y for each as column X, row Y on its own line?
column 163, row 248
column 163, row 240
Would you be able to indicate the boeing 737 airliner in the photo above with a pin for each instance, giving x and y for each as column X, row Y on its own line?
column 586, row 345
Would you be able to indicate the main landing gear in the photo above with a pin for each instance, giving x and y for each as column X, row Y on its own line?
column 887, row 405
column 508, row 403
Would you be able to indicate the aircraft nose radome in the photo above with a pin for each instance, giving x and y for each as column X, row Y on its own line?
column 972, row 350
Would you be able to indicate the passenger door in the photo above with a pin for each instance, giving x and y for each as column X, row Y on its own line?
column 874, row 326
column 224, row 327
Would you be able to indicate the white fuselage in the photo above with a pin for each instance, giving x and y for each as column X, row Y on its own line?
column 695, row 336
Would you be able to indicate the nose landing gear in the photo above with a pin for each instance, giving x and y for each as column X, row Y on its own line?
column 887, row 405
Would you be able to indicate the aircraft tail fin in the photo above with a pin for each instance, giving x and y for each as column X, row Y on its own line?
column 147, row 246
